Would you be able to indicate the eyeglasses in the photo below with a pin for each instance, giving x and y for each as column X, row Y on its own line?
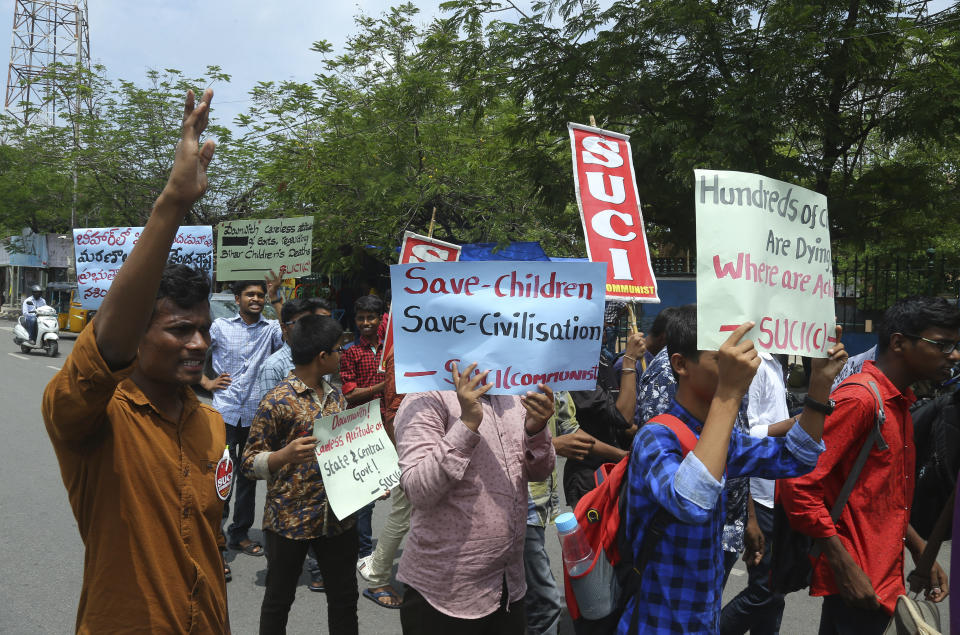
column 338, row 349
column 946, row 346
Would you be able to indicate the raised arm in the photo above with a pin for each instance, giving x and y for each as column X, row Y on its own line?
column 125, row 313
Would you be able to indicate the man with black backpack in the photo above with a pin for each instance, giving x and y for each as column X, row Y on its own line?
column 859, row 569
column 675, row 510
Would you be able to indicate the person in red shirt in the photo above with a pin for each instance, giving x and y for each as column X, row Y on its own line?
column 860, row 570
column 363, row 382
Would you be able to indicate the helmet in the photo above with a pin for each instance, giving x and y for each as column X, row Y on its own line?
column 35, row 289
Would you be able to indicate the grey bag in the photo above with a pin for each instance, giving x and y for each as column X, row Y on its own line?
column 914, row 617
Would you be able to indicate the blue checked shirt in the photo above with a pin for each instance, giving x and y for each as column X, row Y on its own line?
column 681, row 587
column 273, row 371
column 240, row 349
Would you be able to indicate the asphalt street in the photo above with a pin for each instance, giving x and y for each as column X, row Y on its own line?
column 41, row 555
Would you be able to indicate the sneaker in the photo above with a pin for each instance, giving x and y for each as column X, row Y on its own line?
column 316, row 582
column 363, row 567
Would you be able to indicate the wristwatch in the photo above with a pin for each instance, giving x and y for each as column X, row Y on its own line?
column 813, row 404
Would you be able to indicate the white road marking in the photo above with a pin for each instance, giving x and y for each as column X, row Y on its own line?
column 53, row 367
column 17, row 356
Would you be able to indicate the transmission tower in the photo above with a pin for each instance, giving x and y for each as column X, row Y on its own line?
column 45, row 33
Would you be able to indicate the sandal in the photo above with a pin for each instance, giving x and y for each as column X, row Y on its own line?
column 384, row 592
column 227, row 574
column 248, row 547
column 317, row 586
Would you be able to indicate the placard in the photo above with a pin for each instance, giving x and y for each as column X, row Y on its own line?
column 417, row 248
column 763, row 254
column 525, row 322
column 100, row 252
column 606, row 188
column 251, row 249
column 357, row 460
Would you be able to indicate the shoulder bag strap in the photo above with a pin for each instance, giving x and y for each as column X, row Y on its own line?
column 874, row 438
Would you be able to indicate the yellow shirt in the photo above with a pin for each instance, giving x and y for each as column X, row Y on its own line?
column 143, row 491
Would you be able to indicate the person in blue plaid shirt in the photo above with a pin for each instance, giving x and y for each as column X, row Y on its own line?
column 681, row 583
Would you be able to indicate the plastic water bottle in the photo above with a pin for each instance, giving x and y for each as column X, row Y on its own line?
column 577, row 554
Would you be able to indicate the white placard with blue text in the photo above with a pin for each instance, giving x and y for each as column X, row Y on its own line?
column 525, row 322
column 101, row 251
column 763, row 254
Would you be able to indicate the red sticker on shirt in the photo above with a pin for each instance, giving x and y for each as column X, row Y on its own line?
column 224, row 476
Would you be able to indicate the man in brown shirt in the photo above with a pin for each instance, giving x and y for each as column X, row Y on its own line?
column 138, row 453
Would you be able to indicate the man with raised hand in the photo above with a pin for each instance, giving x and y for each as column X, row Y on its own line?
column 138, row 452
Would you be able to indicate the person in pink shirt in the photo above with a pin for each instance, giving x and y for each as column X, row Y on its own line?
column 465, row 461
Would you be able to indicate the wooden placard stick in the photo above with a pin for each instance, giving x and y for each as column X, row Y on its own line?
column 433, row 221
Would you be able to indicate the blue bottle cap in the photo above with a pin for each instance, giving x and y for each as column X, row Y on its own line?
column 566, row 522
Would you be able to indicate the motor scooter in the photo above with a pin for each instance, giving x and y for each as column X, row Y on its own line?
column 48, row 332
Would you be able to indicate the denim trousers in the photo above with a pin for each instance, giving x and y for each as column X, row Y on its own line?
column 757, row 608
column 244, row 505
column 396, row 527
column 365, row 530
column 337, row 557
column 542, row 602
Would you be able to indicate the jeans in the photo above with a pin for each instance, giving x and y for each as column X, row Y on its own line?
column 338, row 557
column 836, row 618
column 30, row 321
column 418, row 617
column 365, row 530
column 729, row 561
column 542, row 602
column 246, row 489
column 396, row 527
column 756, row 609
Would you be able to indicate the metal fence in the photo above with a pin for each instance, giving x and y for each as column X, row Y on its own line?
column 865, row 285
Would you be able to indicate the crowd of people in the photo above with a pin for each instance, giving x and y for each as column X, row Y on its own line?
column 150, row 470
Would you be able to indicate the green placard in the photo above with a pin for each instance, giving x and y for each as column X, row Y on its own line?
column 250, row 249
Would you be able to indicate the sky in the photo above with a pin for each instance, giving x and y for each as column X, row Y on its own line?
column 252, row 40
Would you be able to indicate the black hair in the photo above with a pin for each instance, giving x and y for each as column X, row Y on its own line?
column 659, row 325
column 312, row 304
column 370, row 303
column 292, row 307
column 184, row 286
column 682, row 333
column 915, row 314
column 239, row 286
column 311, row 335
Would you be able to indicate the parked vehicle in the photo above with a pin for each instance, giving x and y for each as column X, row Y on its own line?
column 72, row 317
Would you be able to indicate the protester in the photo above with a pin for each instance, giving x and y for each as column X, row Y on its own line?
column 465, row 460
column 860, row 570
column 278, row 366
column 297, row 515
column 398, row 520
column 137, row 451
column 757, row 608
column 605, row 414
column 238, row 347
column 656, row 338
column 363, row 382
column 681, row 582
column 658, row 386
column 29, row 309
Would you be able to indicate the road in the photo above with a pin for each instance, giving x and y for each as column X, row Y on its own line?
column 41, row 555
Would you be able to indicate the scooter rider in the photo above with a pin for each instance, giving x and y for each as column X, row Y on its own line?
column 30, row 306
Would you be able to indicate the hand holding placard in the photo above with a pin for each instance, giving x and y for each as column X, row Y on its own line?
column 469, row 390
column 539, row 407
column 737, row 363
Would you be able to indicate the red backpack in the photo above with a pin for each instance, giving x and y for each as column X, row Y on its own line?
column 599, row 513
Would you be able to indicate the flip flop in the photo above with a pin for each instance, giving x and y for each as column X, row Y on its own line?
column 252, row 548
column 375, row 597
column 227, row 574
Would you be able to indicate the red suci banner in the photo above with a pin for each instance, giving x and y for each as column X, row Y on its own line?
column 610, row 211
column 417, row 248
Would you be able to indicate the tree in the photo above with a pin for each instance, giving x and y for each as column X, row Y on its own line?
column 382, row 138
column 832, row 95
